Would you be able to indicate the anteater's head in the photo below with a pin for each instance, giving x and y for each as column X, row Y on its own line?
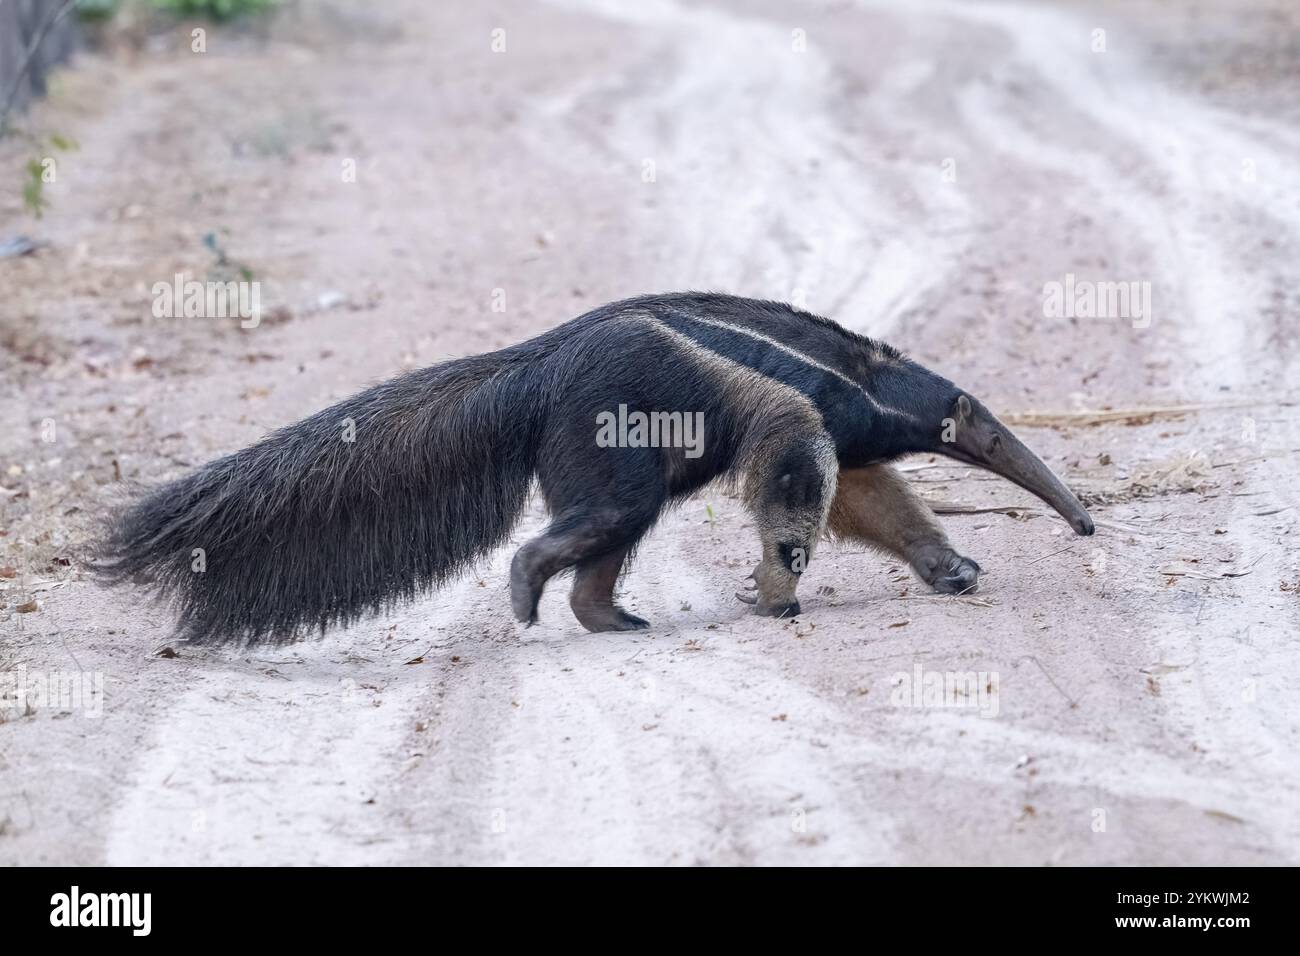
column 973, row 434
column 940, row 417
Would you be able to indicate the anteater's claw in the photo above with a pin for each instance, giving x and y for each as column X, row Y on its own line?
column 747, row 598
column 957, row 575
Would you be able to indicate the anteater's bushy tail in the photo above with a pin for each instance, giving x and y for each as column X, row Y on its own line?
column 353, row 510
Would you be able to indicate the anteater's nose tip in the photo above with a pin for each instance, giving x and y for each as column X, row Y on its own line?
column 1083, row 525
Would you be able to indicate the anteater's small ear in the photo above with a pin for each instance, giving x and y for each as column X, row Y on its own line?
column 962, row 411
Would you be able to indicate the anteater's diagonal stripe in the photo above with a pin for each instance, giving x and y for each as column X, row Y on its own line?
column 801, row 357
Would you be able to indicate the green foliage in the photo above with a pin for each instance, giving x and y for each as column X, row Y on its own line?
column 34, row 200
column 34, row 189
column 225, row 266
column 97, row 10
column 215, row 9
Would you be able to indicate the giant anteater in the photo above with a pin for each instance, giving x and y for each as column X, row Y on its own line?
column 389, row 493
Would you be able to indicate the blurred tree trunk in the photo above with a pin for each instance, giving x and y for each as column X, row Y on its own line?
column 20, row 22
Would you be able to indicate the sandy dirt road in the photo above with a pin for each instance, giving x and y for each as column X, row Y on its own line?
column 917, row 172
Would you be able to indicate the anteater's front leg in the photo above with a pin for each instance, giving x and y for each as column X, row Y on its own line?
column 876, row 505
column 789, row 490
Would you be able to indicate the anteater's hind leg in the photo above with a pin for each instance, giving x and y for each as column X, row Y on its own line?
column 601, row 510
column 592, row 597
column 789, row 490
column 876, row 505
column 596, row 540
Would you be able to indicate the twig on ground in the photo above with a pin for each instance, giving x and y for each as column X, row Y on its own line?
column 1050, row 680
column 975, row 601
column 1203, row 576
column 1103, row 415
column 1052, row 555
column 953, row 508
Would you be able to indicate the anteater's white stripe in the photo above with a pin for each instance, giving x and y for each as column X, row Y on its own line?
column 752, row 390
column 802, row 357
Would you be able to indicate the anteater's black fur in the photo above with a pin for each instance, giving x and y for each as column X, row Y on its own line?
column 304, row 529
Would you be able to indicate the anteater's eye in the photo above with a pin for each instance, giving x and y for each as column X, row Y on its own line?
column 995, row 444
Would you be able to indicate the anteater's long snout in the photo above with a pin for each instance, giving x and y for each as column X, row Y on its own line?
column 1017, row 463
column 982, row 440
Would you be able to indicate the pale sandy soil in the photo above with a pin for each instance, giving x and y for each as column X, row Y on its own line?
column 1146, row 708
